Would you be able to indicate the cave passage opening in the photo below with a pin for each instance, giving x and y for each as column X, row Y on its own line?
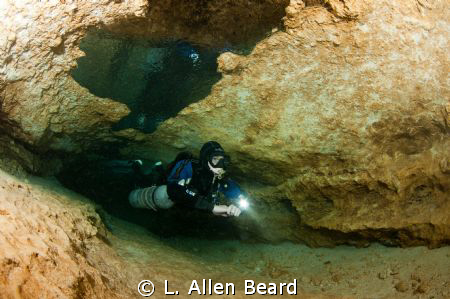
column 108, row 182
column 157, row 66
column 154, row 78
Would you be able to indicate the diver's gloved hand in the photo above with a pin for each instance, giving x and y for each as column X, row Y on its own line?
column 233, row 211
column 226, row 211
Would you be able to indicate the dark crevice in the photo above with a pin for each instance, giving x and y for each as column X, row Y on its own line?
column 388, row 237
column 315, row 3
column 109, row 182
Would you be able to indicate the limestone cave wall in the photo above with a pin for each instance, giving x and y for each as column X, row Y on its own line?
column 337, row 121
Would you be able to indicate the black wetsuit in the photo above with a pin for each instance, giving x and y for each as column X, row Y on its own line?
column 200, row 190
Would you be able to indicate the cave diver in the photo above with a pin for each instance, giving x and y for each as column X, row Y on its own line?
column 193, row 183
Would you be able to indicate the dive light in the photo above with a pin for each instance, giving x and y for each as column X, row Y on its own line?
column 243, row 202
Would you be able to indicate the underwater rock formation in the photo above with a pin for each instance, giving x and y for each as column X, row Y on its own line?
column 39, row 46
column 344, row 116
column 337, row 124
column 48, row 243
column 53, row 244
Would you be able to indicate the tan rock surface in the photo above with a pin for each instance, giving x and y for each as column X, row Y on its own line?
column 46, row 241
column 53, row 244
column 39, row 46
column 338, row 124
column 345, row 114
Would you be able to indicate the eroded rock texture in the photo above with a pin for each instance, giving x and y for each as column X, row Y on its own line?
column 53, row 244
column 39, row 41
column 344, row 115
column 337, row 124
column 48, row 244
column 38, row 48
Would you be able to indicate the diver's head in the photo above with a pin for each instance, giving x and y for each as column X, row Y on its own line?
column 212, row 157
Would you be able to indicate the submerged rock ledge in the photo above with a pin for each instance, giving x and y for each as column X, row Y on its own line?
column 53, row 244
column 337, row 124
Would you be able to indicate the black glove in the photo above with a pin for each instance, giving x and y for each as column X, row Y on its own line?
column 188, row 196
